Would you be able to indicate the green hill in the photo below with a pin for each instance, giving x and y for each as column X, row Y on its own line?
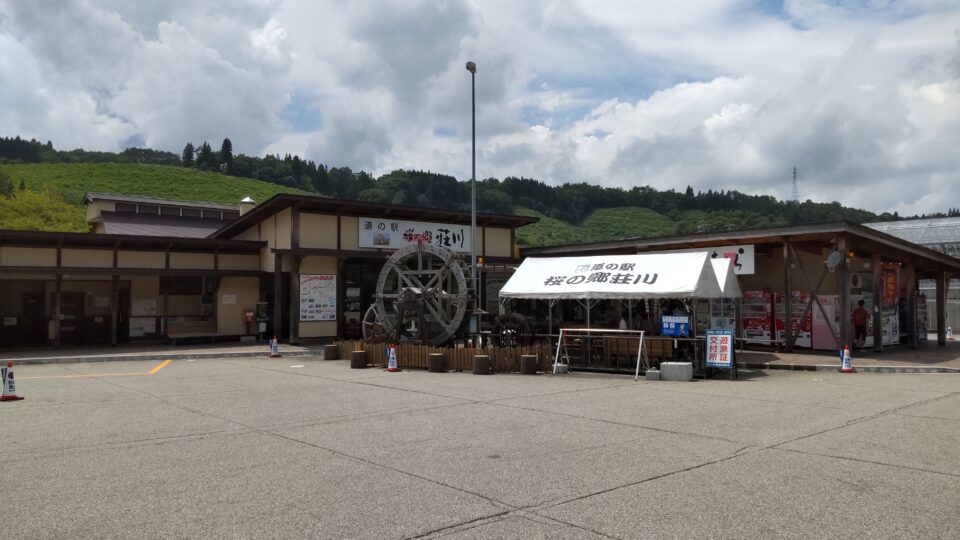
column 72, row 180
column 603, row 224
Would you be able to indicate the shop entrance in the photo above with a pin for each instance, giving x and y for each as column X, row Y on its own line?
column 360, row 284
column 33, row 329
column 71, row 316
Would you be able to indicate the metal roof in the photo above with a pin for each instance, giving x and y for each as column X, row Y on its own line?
column 327, row 205
column 940, row 234
column 769, row 235
column 158, row 225
column 92, row 196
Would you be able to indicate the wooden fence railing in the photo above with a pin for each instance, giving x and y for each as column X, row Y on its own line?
column 410, row 356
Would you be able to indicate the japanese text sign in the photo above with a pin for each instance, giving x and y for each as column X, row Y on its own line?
column 395, row 234
column 719, row 349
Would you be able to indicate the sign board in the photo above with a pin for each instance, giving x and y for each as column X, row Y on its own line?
column 318, row 297
column 719, row 349
column 395, row 234
column 675, row 325
column 143, row 306
column 743, row 256
column 143, row 326
column 229, row 299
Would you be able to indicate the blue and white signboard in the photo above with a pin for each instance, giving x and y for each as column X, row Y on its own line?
column 719, row 349
column 675, row 325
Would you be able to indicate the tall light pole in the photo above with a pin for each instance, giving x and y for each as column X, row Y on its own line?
column 472, row 68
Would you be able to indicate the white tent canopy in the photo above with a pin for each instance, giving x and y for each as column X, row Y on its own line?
column 664, row 275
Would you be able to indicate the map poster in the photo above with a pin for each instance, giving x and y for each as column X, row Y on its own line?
column 318, row 297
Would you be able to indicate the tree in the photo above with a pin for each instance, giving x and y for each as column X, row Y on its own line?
column 187, row 158
column 6, row 184
column 226, row 157
column 204, row 157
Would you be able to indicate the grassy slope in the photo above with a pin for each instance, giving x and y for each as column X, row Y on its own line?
column 604, row 224
column 73, row 180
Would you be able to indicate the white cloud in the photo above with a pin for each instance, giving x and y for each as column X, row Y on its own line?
column 861, row 95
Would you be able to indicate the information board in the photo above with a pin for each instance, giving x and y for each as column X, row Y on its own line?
column 675, row 325
column 719, row 349
column 318, row 297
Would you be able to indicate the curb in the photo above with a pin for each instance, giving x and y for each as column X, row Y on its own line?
column 153, row 357
column 836, row 367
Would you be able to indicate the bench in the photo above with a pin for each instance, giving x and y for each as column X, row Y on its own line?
column 192, row 330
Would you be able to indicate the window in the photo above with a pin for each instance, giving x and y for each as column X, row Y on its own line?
column 169, row 211
column 126, row 207
column 211, row 214
column 190, row 212
column 229, row 215
column 148, row 209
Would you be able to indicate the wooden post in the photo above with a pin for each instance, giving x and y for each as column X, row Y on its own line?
column 277, row 296
column 941, row 280
column 787, row 298
column 294, row 297
column 56, row 308
column 912, row 306
column 114, row 308
column 843, row 286
column 877, row 314
column 166, row 292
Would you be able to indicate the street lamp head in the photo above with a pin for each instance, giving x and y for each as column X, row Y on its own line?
column 471, row 67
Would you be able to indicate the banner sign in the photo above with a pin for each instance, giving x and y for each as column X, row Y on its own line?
column 395, row 234
column 719, row 348
column 675, row 325
column 742, row 257
column 318, row 297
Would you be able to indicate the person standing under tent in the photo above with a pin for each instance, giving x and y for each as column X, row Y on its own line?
column 860, row 319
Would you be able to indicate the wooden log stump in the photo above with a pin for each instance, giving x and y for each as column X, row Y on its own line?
column 358, row 360
column 528, row 364
column 437, row 363
column 331, row 352
column 482, row 364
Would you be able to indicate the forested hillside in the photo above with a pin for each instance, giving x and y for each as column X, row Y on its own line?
column 570, row 212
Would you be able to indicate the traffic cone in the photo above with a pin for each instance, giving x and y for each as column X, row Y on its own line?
column 392, row 359
column 846, row 366
column 274, row 348
column 9, row 392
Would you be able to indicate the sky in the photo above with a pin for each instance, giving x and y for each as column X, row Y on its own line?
column 861, row 96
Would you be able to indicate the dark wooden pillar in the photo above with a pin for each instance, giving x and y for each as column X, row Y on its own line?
column 295, row 297
column 876, row 313
column 166, row 293
column 941, row 280
column 787, row 299
column 277, row 295
column 912, row 306
column 56, row 309
column 114, row 308
column 57, row 298
column 843, row 287
column 342, row 296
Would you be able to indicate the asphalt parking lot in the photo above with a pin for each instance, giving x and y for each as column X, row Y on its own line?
column 299, row 447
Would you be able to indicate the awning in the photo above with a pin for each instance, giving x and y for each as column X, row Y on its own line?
column 666, row 275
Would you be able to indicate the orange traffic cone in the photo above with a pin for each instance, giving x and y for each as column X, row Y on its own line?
column 392, row 359
column 274, row 348
column 9, row 392
column 846, row 365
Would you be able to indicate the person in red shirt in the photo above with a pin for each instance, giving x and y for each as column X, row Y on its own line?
column 860, row 318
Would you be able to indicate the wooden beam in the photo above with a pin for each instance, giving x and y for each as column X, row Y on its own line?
column 114, row 308
column 843, row 286
column 295, row 261
column 787, row 299
column 941, row 281
column 877, row 312
column 58, row 300
column 277, row 295
column 912, row 306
